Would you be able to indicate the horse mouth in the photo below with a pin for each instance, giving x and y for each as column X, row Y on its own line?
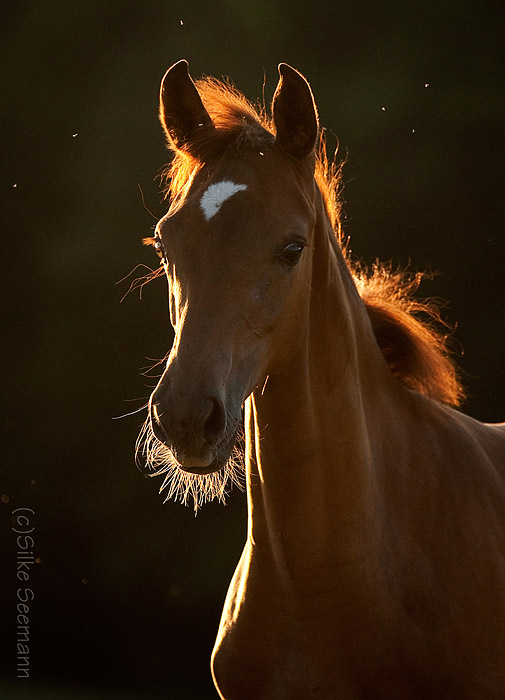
column 214, row 466
column 202, row 477
column 213, row 459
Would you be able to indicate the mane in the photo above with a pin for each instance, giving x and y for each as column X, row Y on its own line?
column 409, row 332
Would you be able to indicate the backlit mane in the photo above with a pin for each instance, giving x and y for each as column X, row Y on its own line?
column 406, row 329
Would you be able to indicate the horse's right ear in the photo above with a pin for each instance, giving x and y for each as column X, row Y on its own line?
column 182, row 112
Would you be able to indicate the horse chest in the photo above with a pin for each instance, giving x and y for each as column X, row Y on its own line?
column 274, row 644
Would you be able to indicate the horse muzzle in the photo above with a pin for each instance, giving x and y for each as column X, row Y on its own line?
column 200, row 437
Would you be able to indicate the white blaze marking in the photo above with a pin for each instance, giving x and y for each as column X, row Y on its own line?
column 215, row 195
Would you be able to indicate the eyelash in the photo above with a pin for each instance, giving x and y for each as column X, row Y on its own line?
column 158, row 246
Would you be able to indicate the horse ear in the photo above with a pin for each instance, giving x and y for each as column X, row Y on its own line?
column 181, row 109
column 295, row 114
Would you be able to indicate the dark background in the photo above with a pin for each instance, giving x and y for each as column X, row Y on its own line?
column 128, row 591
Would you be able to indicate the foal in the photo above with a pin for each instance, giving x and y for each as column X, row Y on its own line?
column 374, row 566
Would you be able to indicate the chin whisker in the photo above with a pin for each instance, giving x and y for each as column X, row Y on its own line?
column 180, row 485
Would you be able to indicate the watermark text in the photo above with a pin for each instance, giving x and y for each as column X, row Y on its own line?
column 23, row 527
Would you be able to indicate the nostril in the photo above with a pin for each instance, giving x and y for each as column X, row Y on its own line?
column 215, row 422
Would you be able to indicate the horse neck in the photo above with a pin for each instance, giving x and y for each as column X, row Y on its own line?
column 312, row 431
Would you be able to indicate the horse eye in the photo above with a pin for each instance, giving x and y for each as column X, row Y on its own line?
column 291, row 253
column 160, row 250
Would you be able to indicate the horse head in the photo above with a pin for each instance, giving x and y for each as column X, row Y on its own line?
column 236, row 246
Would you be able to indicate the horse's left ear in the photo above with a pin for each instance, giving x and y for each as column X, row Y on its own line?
column 295, row 114
column 182, row 111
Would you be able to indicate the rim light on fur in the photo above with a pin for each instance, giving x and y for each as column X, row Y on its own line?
column 180, row 485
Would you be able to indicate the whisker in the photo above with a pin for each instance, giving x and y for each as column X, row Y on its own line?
column 145, row 370
column 133, row 270
column 131, row 413
column 156, row 218
column 180, row 485
column 142, row 281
